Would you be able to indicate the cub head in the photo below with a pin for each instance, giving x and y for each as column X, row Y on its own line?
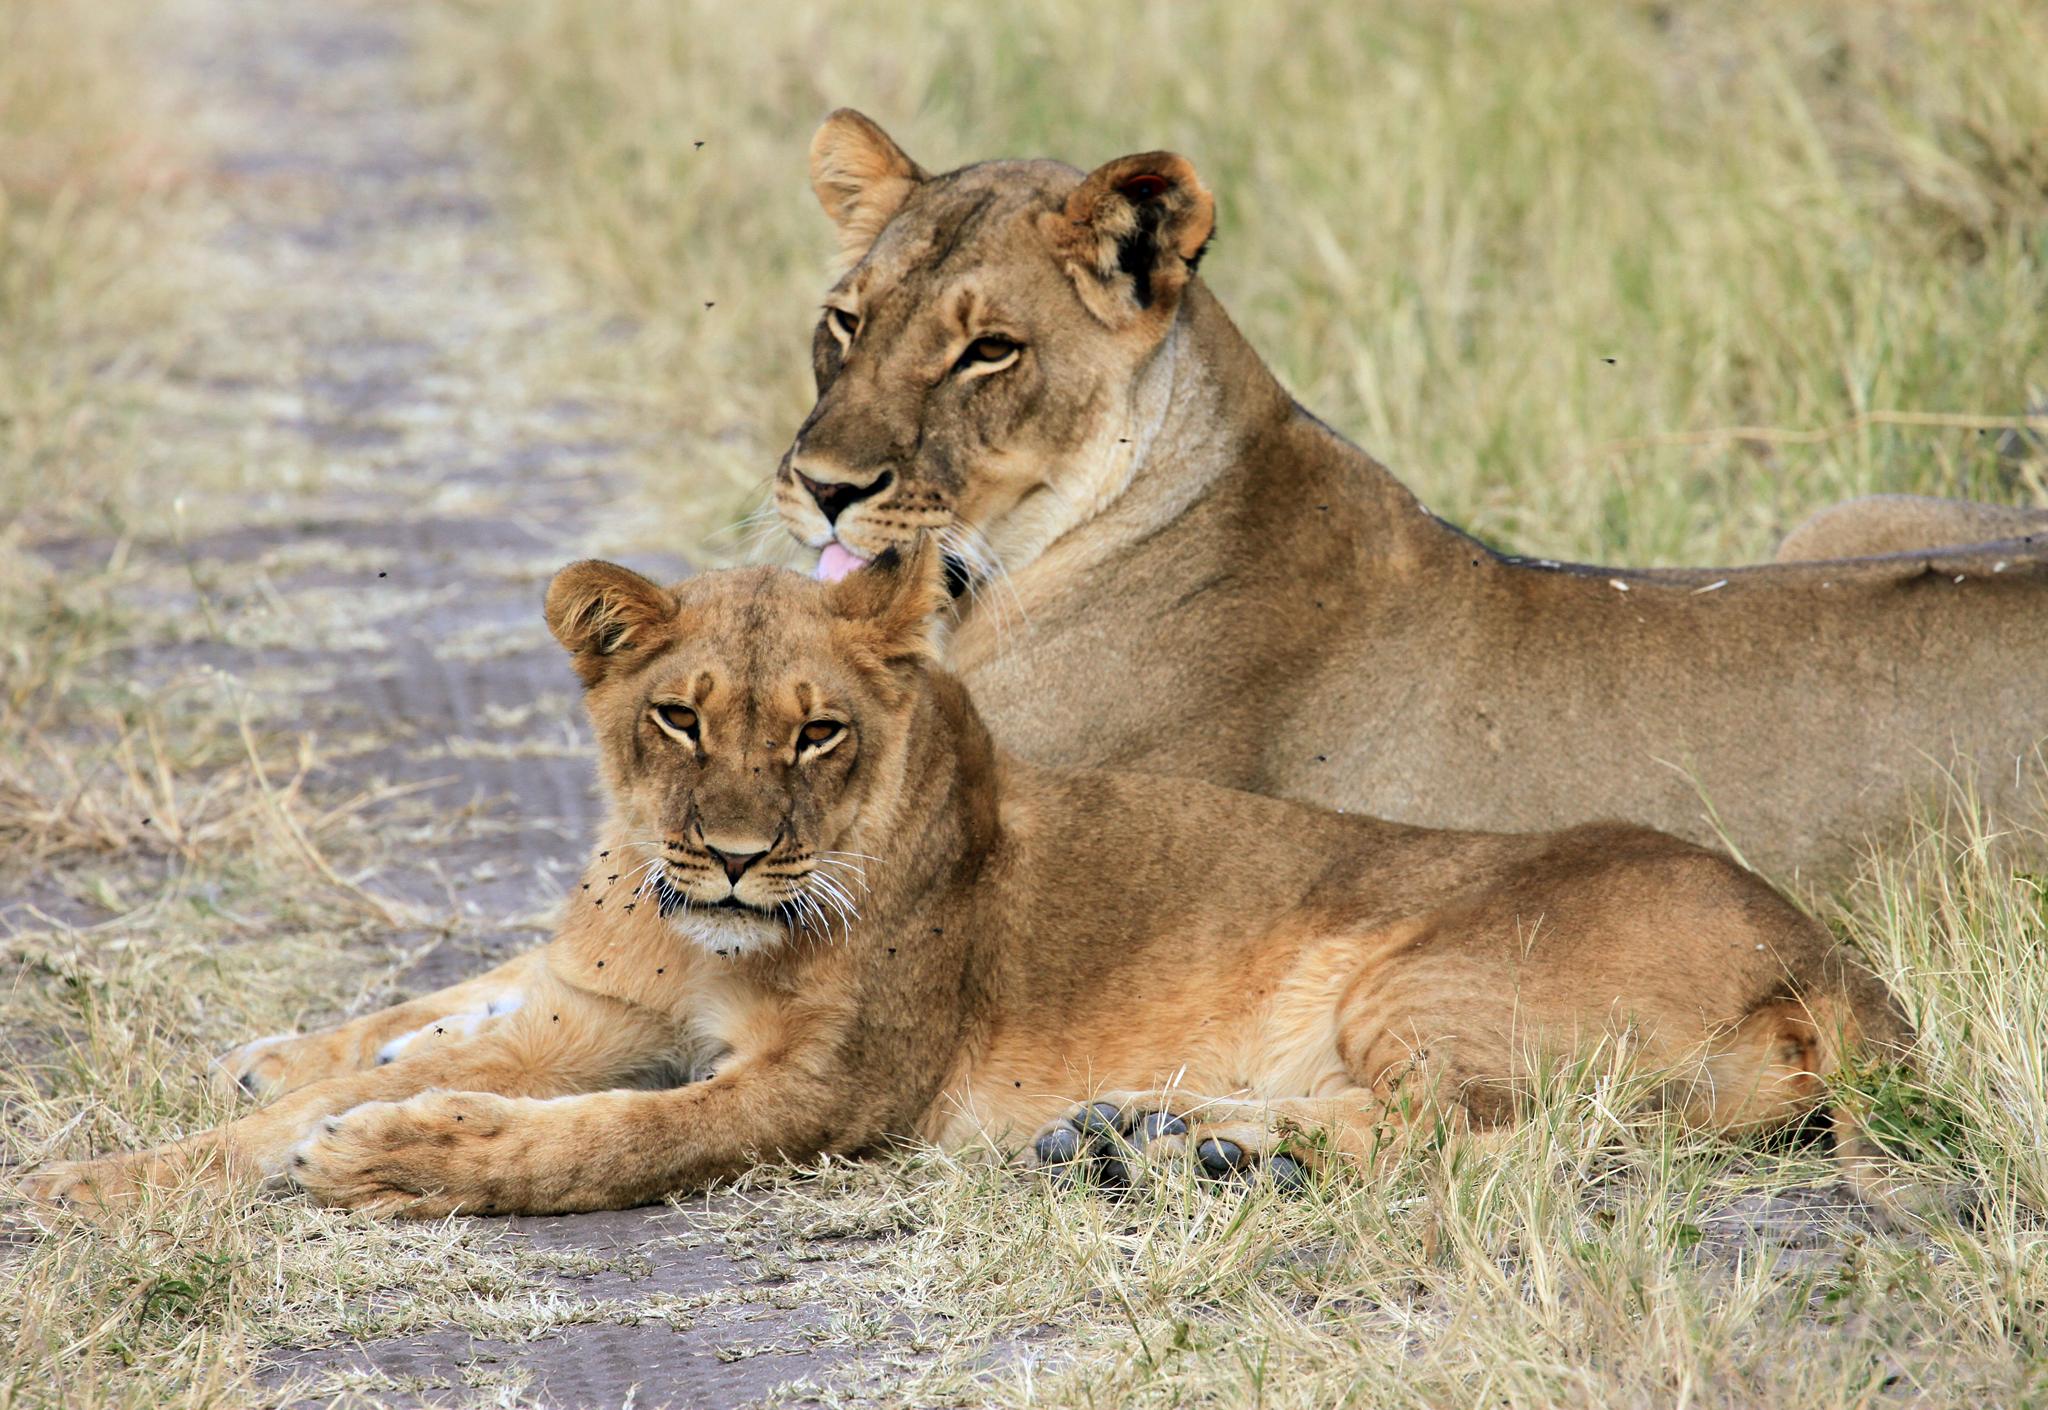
column 981, row 364
column 752, row 732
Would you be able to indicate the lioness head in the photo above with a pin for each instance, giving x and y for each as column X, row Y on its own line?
column 751, row 729
column 981, row 365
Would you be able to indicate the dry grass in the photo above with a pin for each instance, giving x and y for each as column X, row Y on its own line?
column 1438, row 225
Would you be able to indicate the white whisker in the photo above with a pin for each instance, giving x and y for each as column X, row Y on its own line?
column 836, row 893
column 858, row 875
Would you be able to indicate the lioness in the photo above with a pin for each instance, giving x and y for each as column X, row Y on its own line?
column 822, row 885
column 1165, row 564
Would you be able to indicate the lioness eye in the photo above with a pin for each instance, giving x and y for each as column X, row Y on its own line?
column 678, row 719
column 984, row 351
column 843, row 323
column 818, row 732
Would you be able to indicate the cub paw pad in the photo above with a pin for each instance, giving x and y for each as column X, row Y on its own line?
column 1287, row 1173
column 1154, row 1124
column 1059, row 1144
column 1220, row 1158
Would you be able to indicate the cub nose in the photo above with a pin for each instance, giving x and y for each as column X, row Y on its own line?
column 835, row 496
column 735, row 863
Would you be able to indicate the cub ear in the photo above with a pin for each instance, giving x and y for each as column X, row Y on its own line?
column 894, row 600
column 861, row 177
column 605, row 614
column 1132, row 234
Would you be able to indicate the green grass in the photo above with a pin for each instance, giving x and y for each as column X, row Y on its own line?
column 1439, row 223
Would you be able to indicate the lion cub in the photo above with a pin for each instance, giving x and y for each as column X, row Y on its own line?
column 824, row 892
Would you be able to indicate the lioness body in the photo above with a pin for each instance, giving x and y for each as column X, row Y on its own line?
column 1169, row 565
column 1365, row 655
column 1262, row 974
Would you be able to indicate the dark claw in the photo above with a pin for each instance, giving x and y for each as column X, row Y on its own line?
column 1219, row 1158
column 1154, row 1124
column 1288, row 1173
column 1059, row 1146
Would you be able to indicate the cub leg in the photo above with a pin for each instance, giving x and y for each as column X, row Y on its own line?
column 270, row 1067
column 564, row 1040
column 444, row 1152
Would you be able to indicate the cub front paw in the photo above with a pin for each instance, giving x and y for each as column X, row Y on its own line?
column 435, row 1154
column 86, row 1184
column 265, row 1068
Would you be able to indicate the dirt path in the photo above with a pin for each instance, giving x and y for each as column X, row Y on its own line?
column 366, row 340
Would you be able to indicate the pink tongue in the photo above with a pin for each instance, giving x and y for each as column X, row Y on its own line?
column 836, row 562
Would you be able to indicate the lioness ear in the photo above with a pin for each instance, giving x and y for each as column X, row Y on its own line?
column 861, row 177
column 604, row 614
column 893, row 600
column 1132, row 234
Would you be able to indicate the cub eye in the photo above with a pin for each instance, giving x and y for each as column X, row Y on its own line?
column 818, row 733
column 843, row 323
column 988, row 355
column 678, row 720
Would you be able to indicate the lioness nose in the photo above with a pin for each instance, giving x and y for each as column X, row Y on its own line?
column 834, row 496
column 735, row 863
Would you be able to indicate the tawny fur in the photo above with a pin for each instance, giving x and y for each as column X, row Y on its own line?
column 1174, row 568
column 1018, row 939
column 1900, row 523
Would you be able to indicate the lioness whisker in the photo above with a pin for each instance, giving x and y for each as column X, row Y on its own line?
column 762, row 513
column 971, row 545
column 759, row 538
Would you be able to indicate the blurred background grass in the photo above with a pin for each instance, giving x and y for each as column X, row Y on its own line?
column 87, row 181
column 1506, row 246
